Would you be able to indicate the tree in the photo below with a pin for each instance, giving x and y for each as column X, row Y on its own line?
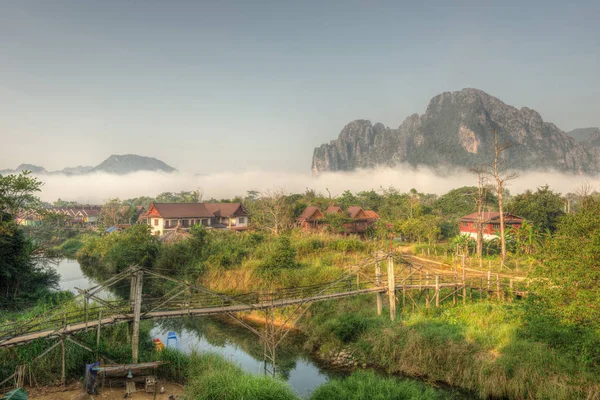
column 335, row 222
column 501, row 174
column 112, row 213
column 17, row 194
column 271, row 211
column 569, row 268
column 22, row 277
column 543, row 208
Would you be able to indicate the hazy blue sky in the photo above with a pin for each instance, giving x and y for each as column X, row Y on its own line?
column 218, row 85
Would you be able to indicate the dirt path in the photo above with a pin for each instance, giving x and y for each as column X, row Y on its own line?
column 75, row 392
column 443, row 267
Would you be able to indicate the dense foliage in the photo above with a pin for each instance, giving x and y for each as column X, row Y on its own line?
column 23, row 277
column 543, row 208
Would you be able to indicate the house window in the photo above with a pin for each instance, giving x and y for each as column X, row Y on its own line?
column 242, row 220
column 205, row 222
column 155, row 221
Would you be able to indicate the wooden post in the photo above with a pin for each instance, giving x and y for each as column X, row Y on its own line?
column 391, row 288
column 87, row 300
column 427, row 301
column 378, row 283
column 464, row 282
column 437, row 290
column 98, row 331
column 455, row 288
column 137, row 311
column 489, row 277
column 481, row 289
column 63, row 376
column 498, row 285
column 132, row 287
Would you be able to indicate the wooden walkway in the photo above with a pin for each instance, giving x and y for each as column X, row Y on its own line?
column 73, row 328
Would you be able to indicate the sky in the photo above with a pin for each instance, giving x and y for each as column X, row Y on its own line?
column 225, row 86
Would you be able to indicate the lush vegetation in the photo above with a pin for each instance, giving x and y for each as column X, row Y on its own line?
column 544, row 346
column 23, row 277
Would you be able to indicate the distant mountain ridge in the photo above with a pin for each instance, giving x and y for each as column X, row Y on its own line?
column 115, row 164
column 583, row 134
column 457, row 131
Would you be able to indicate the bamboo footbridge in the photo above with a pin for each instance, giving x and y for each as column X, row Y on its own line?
column 407, row 281
column 414, row 281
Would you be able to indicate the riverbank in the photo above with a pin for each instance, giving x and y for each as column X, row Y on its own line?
column 490, row 349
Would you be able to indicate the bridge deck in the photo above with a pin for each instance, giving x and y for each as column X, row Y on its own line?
column 161, row 314
column 72, row 328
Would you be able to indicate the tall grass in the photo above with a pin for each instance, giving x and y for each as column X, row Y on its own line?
column 485, row 348
column 363, row 385
column 211, row 377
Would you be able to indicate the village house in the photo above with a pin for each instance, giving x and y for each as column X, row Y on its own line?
column 490, row 224
column 358, row 220
column 165, row 217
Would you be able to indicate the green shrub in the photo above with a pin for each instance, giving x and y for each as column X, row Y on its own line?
column 348, row 327
column 70, row 247
column 282, row 256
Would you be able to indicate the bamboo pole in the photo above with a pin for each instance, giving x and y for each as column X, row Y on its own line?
column 135, row 336
column 464, row 283
column 498, row 285
column 481, row 288
column 98, row 331
column 63, row 376
column 87, row 300
column 391, row 288
column 427, row 301
column 378, row 283
column 437, row 290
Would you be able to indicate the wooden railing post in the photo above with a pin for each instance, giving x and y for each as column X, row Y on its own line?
column 391, row 288
column 378, row 284
column 98, row 332
column 437, row 290
column 427, row 299
column 464, row 282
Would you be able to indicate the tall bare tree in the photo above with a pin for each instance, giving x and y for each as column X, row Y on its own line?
column 480, row 203
column 499, row 171
column 272, row 212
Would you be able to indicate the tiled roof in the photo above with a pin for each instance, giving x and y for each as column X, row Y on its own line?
column 226, row 209
column 308, row 212
column 353, row 211
column 333, row 210
column 183, row 210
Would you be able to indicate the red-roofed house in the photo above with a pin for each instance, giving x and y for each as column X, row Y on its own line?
column 490, row 224
column 358, row 219
column 311, row 218
column 165, row 217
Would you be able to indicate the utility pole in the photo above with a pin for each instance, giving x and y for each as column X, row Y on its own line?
column 137, row 311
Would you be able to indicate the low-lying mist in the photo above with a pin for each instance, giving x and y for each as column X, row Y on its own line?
column 97, row 188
